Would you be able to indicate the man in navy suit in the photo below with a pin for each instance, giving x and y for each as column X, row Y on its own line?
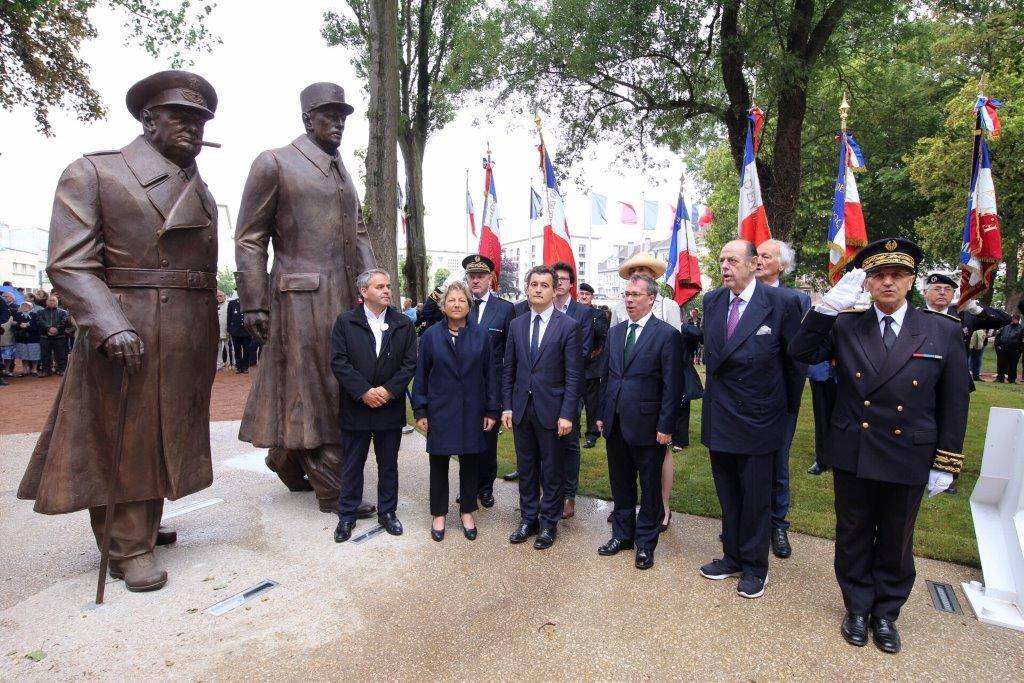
column 775, row 259
column 494, row 315
column 643, row 385
column 752, row 386
column 565, row 281
column 541, row 385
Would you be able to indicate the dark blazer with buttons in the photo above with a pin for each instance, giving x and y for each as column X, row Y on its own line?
column 236, row 319
column 358, row 368
column 555, row 379
column 893, row 410
column 456, row 386
column 752, row 383
column 646, row 390
column 495, row 320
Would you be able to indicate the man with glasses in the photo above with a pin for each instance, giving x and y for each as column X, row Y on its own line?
column 898, row 427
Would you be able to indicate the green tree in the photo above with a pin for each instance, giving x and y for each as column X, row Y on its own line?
column 440, row 276
column 40, row 40
column 226, row 280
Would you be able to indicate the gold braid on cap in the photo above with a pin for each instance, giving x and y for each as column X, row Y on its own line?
column 948, row 462
column 889, row 259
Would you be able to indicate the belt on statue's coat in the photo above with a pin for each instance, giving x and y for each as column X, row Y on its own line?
column 161, row 278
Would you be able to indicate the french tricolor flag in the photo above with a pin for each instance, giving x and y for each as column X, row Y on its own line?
column 682, row 257
column 490, row 232
column 846, row 229
column 557, row 244
column 982, row 248
column 752, row 220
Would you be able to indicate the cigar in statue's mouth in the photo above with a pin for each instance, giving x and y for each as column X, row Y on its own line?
column 207, row 143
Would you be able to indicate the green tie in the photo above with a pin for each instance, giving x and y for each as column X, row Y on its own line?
column 630, row 343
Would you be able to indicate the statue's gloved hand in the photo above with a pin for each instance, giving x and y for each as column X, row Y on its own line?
column 125, row 347
column 257, row 324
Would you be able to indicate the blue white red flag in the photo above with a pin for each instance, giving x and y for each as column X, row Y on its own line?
column 752, row 221
column 987, row 110
column 847, row 232
column 683, row 268
column 490, row 231
column 470, row 211
column 557, row 243
column 982, row 247
column 536, row 204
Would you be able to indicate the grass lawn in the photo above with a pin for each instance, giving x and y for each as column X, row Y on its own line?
column 944, row 531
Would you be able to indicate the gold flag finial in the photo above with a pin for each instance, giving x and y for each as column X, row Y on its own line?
column 536, row 119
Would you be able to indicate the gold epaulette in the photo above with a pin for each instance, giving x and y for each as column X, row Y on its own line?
column 948, row 462
column 853, row 310
column 944, row 315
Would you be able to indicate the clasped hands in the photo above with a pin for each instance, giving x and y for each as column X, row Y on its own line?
column 564, row 426
column 424, row 426
column 376, row 397
column 663, row 439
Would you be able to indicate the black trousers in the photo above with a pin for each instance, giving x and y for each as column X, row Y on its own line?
column 439, row 483
column 355, row 446
column 243, row 352
column 1006, row 364
column 53, row 352
column 573, row 455
column 591, row 401
column 626, row 463
column 744, row 486
column 681, row 435
column 823, row 400
column 487, row 463
column 540, row 461
column 875, row 543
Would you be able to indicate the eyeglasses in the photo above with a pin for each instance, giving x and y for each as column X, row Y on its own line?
column 564, row 278
column 635, row 295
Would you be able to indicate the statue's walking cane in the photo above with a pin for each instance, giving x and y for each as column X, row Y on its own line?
column 115, row 470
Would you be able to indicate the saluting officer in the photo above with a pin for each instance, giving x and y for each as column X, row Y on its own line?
column 897, row 428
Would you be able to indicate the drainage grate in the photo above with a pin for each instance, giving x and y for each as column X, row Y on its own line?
column 368, row 535
column 185, row 509
column 245, row 596
column 943, row 597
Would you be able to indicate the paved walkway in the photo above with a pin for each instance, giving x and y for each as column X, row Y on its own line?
column 407, row 608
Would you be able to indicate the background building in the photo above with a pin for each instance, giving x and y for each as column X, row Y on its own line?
column 23, row 253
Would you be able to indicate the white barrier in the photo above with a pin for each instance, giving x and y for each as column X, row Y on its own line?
column 997, row 506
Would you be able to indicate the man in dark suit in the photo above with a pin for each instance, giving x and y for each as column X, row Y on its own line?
column 752, row 386
column 898, row 427
column 595, row 366
column 638, row 413
column 521, row 307
column 240, row 339
column 541, row 384
column 373, row 355
column 775, row 259
column 494, row 314
column 565, row 281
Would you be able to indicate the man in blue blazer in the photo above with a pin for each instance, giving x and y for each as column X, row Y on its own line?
column 541, row 383
column 643, row 389
column 494, row 314
column 775, row 259
column 752, row 386
column 565, row 281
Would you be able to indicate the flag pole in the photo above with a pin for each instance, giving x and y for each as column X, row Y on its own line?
column 844, row 111
column 543, row 177
column 467, row 212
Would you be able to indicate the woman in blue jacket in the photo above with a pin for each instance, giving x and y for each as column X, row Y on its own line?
column 455, row 398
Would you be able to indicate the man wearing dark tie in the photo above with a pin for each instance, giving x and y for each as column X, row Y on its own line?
column 494, row 314
column 565, row 281
column 642, row 392
column 752, row 385
column 595, row 366
column 541, row 384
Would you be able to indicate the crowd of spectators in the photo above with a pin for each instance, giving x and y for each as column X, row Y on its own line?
column 36, row 334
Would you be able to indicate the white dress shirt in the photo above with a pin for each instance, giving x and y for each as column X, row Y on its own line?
column 376, row 323
column 483, row 304
column 642, row 323
column 897, row 319
column 545, row 318
column 744, row 297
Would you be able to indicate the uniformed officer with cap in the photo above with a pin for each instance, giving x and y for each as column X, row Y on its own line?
column 939, row 289
column 897, row 428
column 494, row 314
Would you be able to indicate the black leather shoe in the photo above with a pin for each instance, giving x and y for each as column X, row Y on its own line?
column 545, row 539
column 855, row 629
column 343, row 532
column 590, row 443
column 511, row 476
column 644, row 559
column 524, row 532
column 613, row 546
column 365, row 511
column 470, row 533
column 780, row 543
column 391, row 524
column 166, row 536
column 664, row 527
column 437, row 535
column 487, row 499
column 887, row 638
column 609, row 520
column 952, row 488
column 817, row 469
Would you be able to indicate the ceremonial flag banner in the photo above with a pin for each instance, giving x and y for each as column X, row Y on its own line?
column 536, row 205
column 557, row 244
column 403, row 215
column 694, row 216
column 628, row 216
column 752, row 222
column 982, row 248
column 682, row 256
column 706, row 218
column 650, row 215
column 846, row 230
column 598, row 209
column 490, row 231
column 470, row 211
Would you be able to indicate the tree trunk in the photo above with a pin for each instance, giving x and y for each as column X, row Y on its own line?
column 781, row 183
column 380, row 211
column 416, row 271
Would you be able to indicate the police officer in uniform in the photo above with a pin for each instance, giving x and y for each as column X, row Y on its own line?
column 897, row 428
column 939, row 289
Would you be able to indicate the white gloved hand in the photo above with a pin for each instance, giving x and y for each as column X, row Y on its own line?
column 846, row 292
column 974, row 307
column 938, row 481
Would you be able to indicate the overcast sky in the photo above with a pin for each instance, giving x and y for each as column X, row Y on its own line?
column 270, row 51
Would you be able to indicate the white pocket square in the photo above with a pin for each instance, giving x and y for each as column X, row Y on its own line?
column 764, row 329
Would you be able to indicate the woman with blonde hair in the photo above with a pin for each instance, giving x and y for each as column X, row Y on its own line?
column 455, row 399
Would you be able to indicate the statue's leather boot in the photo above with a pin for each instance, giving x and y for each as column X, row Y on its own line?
column 165, row 535
column 140, row 573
